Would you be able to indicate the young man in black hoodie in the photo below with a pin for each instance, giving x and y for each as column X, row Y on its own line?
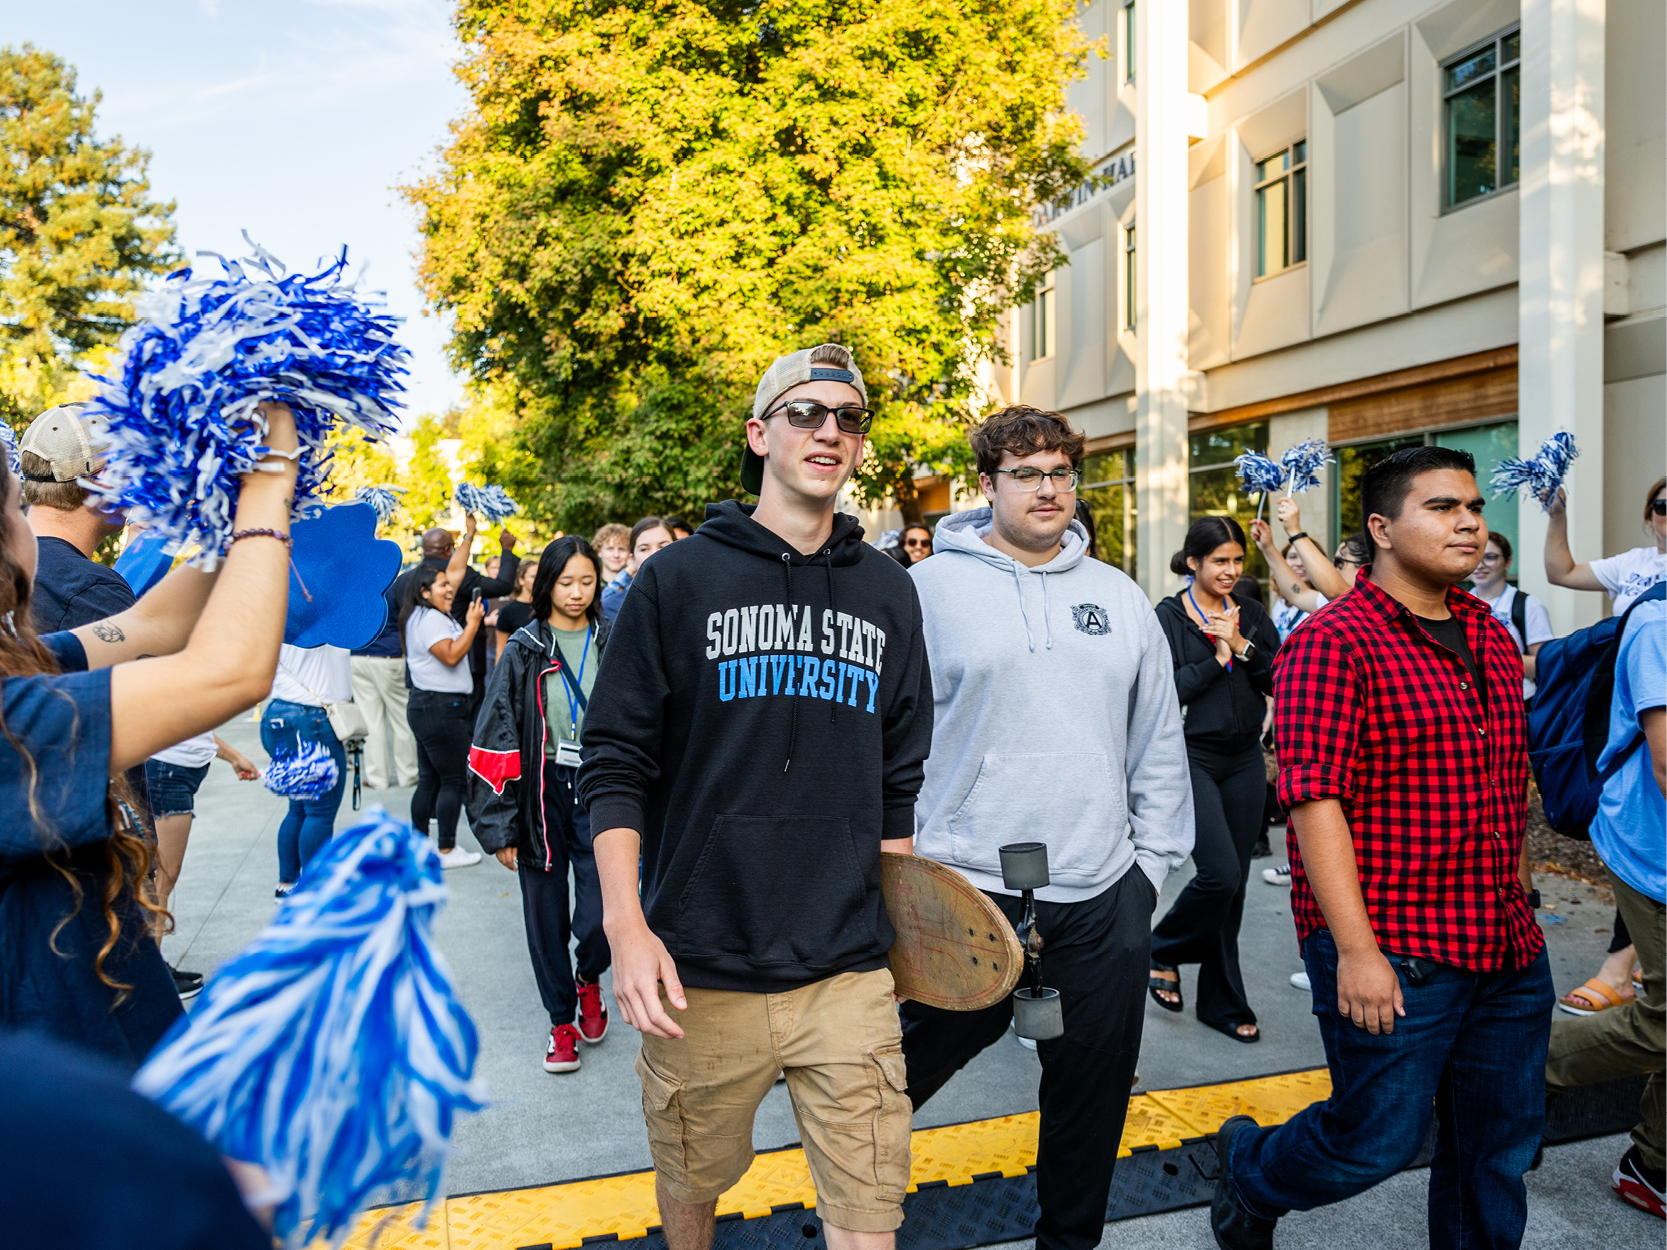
column 757, row 736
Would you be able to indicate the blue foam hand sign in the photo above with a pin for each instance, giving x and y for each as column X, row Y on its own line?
column 332, row 1051
column 145, row 562
column 339, row 571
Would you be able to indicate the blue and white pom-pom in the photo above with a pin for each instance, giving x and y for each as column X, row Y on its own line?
column 490, row 503
column 1258, row 474
column 1303, row 463
column 208, row 349
column 332, row 1051
column 384, row 500
column 1542, row 473
column 14, row 459
column 310, row 772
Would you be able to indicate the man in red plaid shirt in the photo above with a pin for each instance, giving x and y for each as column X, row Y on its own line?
column 1403, row 761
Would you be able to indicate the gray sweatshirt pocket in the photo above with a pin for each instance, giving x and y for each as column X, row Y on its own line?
column 1068, row 801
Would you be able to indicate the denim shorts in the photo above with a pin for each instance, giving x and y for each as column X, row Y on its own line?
column 173, row 787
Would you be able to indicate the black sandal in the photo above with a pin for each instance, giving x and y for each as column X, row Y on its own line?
column 1156, row 986
column 1232, row 1031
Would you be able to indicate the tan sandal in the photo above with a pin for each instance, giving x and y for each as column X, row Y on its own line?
column 1593, row 997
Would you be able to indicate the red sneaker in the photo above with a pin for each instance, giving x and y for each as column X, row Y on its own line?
column 562, row 1054
column 1637, row 1185
column 593, row 1013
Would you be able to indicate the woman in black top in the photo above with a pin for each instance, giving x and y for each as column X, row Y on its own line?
column 1223, row 646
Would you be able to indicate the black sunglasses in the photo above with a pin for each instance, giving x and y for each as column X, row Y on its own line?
column 1658, row 507
column 807, row 414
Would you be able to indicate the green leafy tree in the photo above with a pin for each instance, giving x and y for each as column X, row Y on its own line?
column 80, row 234
column 651, row 199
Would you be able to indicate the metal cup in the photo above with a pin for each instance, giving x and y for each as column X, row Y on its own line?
column 1024, row 865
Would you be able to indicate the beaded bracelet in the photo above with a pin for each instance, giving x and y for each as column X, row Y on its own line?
column 263, row 533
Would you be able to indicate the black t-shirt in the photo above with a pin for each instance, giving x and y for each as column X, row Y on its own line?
column 1450, row 634
column 513, row 615
column 71, row 590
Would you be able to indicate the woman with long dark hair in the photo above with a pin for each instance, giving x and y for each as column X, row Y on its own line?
column 77, row 959
column 525, row 759
column 1223, row 645
column 437, row 657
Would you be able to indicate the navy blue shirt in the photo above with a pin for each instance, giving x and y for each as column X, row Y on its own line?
column 63, row 722
column 613, row 596
column 85, row 1161
column 71, row 590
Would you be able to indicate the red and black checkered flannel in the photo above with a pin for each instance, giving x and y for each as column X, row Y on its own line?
column 1371, row 712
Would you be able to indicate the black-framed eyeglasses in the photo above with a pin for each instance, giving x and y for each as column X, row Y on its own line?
column 1028, row 477
column 807, row 414
column 1658, row 507
column 1340, row 561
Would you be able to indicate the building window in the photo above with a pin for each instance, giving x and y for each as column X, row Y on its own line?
column 1282, row 210
column 1128, row 40
column 1044, row 327
column 1109, row 491
column 1482, row 92
column 1129, row 289
column 1213, row 487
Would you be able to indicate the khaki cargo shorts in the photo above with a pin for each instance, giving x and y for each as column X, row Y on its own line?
column 840, row 1044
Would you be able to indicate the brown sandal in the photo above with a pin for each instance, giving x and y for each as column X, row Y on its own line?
column 1593, row 997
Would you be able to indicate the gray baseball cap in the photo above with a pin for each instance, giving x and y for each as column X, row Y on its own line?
column 828, row 362
column 71, row 443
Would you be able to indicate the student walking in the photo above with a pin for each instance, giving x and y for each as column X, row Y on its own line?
column 1404, row 765
column 1622, row 577
column 81, row 707
column 524, row 762
column 308, row 680
column 1524, row 617
column 648, row 535
column 1056, row 691
column 437, row 651
column 755, row 740
column 612, row 544
column 1222, row 647
column 516, row 611
column 379, row 690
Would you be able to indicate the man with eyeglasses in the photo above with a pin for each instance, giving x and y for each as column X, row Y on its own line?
column 756, row 737
column 1055, row 720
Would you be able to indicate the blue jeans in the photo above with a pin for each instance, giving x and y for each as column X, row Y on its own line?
column 309, row 823
column 1471, row 1049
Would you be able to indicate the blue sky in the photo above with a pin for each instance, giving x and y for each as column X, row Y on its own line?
column 292, row 119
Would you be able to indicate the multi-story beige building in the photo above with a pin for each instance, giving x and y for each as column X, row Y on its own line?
column 1376, row 222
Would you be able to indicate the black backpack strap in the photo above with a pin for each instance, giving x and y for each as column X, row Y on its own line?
column 573, row 685
column 1519, row 617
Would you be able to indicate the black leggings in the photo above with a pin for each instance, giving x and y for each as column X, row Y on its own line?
column 1228, row 791
column 440, row 721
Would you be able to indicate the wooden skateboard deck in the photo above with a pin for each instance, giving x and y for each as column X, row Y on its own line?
column 954, row 947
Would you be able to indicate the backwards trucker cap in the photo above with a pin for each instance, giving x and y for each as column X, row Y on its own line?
column 73, row 445
column 828, row 363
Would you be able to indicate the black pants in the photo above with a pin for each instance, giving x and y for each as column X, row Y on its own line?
column 1202, row 927
column 440, row 721
column 545, row 904
column 1095, row 956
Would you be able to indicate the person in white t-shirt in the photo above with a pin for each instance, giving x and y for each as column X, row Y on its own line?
column 1489, row 585
column 437, row 655
column 308, row 680
column 1624, row 577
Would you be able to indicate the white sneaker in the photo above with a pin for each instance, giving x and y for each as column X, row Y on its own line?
column 1029, row 1043
column 1301, row 981
column 457, row 857
column 1277, row 876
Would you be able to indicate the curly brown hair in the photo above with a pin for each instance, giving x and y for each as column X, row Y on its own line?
column 1024, row 431
column 128, row 855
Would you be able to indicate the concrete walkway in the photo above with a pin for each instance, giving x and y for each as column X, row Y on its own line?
column 544, row 1128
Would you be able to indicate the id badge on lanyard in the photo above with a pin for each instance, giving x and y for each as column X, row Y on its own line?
column 567, row 754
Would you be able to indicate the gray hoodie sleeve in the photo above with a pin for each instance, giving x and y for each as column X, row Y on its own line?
column 1159, row 782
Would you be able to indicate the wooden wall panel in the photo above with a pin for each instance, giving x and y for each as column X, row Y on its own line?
column 1451, row 401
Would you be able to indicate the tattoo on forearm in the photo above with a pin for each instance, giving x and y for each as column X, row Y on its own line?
column 104, row 631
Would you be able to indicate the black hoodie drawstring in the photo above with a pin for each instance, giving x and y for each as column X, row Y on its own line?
column 793, row 732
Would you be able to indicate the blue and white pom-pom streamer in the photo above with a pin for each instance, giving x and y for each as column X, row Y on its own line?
column 1542, row 473
column 14, row 459
column 384, row 500
column 490, row 503
column 1303, row 463
column 1259, row 476
column 332, row 1051
column 208, row 350
column 310, row 772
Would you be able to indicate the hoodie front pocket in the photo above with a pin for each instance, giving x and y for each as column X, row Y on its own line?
column 778, row 890
column 1067, row 801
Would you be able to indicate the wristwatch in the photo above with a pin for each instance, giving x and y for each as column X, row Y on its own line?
column 1243, row 657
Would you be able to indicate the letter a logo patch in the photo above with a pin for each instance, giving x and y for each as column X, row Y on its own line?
column 1090, row 618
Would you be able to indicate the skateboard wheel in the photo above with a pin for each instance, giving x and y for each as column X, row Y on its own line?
column 1024, row 865
column 1038, row 1016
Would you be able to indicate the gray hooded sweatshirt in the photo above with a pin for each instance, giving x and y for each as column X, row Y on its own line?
column 1055, row 717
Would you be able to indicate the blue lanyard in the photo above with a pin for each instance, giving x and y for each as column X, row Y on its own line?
column 572, row 707
column 1202, row 617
